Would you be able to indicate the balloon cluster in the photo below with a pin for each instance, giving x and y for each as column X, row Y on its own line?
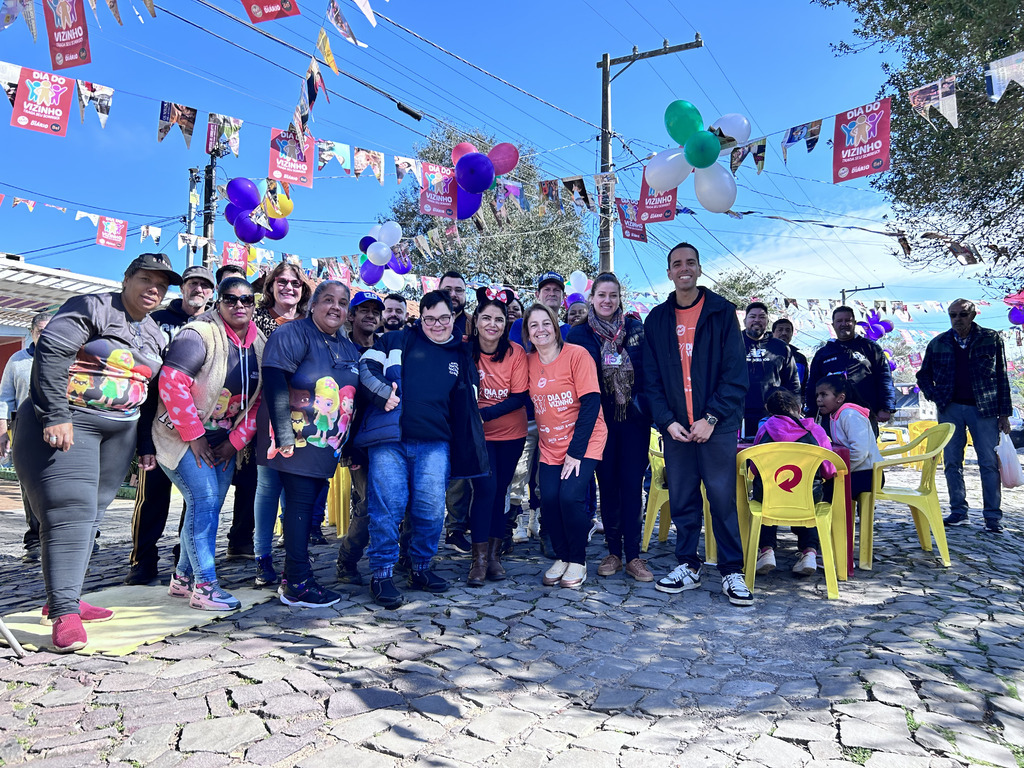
column 475, row 173
column 578, row 285
column 1017, row 315
column 245, row 197
column 697, row 153
column 379, row 262
column 890, row 358
column 874, row 326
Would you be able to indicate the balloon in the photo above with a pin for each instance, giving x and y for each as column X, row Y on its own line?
column 1017, row 315
column 886, row 325
column 504, row 156
column 468, row 204
column 682, row 120
column 231, row 212
column 734, row 125
column 578, row 281
column 892, row 365
column 243, row 193
column 474, row 172
column 572, row 298
column 363, row 259
column 378, row 254
column 375, row 231
column 282, row 209
column 390, row 233
column 398, row 265
column 371, row 273
column 365, row 243
column 463, row 148
column 247, row 230
column 702, row 149
column 278, row 229
column 667, row 170
column 715, row 188
column 393, row 281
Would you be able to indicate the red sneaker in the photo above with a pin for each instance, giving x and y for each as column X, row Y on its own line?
column 68, row 634
column 88, row 613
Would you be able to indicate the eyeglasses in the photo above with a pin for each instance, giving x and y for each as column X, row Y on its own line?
column 247, row 300
column 959, row 314
column 283, row 283
column 434, row 321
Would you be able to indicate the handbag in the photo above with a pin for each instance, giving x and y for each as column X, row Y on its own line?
column 1010, row 472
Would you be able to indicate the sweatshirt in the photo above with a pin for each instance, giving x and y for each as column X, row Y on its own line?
column 851, row 428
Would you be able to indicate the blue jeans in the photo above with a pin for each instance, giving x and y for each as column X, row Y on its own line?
column 203, row 488
column 269, row 495
column 412, row 474
column 985, row 432
column 300, row 496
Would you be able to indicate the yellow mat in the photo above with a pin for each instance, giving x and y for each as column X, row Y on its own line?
column 142, row 615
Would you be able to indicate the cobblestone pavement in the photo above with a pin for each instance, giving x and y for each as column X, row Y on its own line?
column 914, row 665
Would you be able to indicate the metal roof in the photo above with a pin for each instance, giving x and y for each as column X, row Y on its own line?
column 28, row 289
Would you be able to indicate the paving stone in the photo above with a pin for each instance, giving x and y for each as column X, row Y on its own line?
column 775, row 753
column 467, row 749
column 361, row 727
column 805, row 731
column 987, row 751
column 290, row 705
column 858, row 733
column 889, row 760
column 357, row 700
column 573, row 758
column 409, row 737
column 221, row 734
column 499, row 725
column 146, row 744
column 347, row 755
column 616, row 699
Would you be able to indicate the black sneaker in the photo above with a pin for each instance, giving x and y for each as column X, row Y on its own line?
column 265, row 574
column 457, row 540
column 31, row 555
column 427, row 581
column 241, row 552
column 993, row 526
column 141, row 574
column 307, row 594
column 348, row 573
column 735, row 588
column 316, row 536
column 954, row 519
column 385, row 593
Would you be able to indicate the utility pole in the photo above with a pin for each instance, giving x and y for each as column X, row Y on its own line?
column 193, row 199
column 606, row 238
column 851, row 291
column 210, row 201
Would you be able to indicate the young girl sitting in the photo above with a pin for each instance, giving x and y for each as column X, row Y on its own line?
column 785, row 425
column 851, row 429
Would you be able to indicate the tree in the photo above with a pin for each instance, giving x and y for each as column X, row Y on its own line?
column 742, row 287
column 516, row 253
column 963, row 183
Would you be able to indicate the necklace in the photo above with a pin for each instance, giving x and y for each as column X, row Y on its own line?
column 335, row 357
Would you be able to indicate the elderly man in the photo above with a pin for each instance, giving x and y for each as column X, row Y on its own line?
column 964, row 374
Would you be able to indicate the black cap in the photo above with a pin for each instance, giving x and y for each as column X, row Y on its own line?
column 156, row 262
column 551, row 277
column 198, row 270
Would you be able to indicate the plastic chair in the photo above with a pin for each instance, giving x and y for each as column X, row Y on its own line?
column 658, row 507
column 339, row 496
column 897, row 432
column 787, row 473
column 924, row 451
column 915, row 429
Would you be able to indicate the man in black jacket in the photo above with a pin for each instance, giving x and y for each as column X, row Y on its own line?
column 782, row 329
column 770, row 366
column 695, row 375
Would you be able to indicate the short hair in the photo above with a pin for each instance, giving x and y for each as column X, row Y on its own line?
column 228, row 269
column 843, row 308
column 433, row 298
column 967, row 304
column 451, row 274
column 684, row 244
column 838, row 384
column 397, row 297
column 538, row 307
column 324, row 286
column 782, row 321
column 782, row 402
column 41, row 319
column 268, row 299
column 755, row 305
column 232, row 281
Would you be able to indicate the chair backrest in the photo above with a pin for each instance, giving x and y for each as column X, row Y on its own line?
column 787, row 471
column 656, row 457
column 918, row 428
column 934, row 441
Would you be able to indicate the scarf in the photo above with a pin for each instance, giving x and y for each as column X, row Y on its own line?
column 617, row 380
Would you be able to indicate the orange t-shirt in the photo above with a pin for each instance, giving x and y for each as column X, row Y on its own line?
column 686, row 328
column 497, row 382
column 556, row 389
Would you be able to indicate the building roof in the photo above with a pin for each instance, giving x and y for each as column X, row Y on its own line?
column 28, row 289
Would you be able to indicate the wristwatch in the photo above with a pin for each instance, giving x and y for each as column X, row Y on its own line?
column 710, row 419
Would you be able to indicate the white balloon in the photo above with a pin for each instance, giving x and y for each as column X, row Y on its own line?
column 667, row 170
column 375, row 231
column 578, row 282
column 392, row 280
column 735, row 125
column 378, row 253
column 390, row 233
column 715, row 188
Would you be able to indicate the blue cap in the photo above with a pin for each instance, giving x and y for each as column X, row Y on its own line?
column 549, row 277
column 361, row 297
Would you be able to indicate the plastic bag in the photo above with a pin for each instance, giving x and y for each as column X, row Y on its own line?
column 1010, row 472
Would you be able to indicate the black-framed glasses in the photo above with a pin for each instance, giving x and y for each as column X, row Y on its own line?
column 432, row 321
column 959, row 314
column 247, row 300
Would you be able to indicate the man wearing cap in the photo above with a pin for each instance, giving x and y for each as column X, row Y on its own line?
column 364, row 313
column 550, row 291
column 153, row 496
column 396, row 312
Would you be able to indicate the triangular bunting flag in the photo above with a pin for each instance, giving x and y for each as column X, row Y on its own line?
column 808, row 132
column 93, row 217
column 56, row 207
column 941, row 94
column 172, row 114
column 148, row 230
column 100, row 95
column 9, row 74
column 30, row 204
column 221, row 129
column 367, row 158
column 149, row 7
column 407, row 166
column 364, row 6
column 335, row 16
column 112, row 5
column 315, row 83
column 324, row 46
column 756, row 148
column 998, row 75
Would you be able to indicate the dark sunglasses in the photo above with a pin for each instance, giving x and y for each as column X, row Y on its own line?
column 959, row 314
column 247, row 300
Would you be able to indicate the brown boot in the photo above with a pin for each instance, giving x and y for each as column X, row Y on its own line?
column 495, row 571
column 478, row 570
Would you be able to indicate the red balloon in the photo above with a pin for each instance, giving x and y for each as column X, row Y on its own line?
column 464, row 148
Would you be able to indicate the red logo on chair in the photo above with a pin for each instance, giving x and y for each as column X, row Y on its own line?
column 789, row 483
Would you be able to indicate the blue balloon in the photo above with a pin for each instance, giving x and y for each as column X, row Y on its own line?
column 468, row 204
column 371, row 273
column 278, row 229
column 231, row 212
column 365, row 243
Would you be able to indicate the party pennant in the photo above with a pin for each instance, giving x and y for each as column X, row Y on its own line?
column 10, row 10
column 223, row 129
column 407, row 166
column 9, row 74
column 93, row 93
column 2, row 200
column 149, row 231
column 300, row 118
column 234, row 254
column 270, row 10
column 421, row 242
column 941, row 95
column 511, row 192
column 149, row 7
column 30, row 204
column 315, row 83
column 604, row 183
column 576, row 191
column 112, row 5
column 323, row 44
column 93, row 217
column 56, row 207
column 172, row 114
column 808, row 132
column 335, row 16
column 629, row 220
column 999, row 74
column 184, row 238
column 367, row 158
column 67, row 34
column 756, row 148
column 549, row 193
column 111, row 232
column 364, row 6
column 333, row 150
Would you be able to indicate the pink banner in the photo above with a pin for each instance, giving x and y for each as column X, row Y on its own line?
column 655, row 206
column 291, row 161
column 111, row 232
column 270, row 10
column 429, row 283
column 67, row 33
column 629, row 218
column 860, row 145
column 234, row 254
column 438, row 192
column 43, row 102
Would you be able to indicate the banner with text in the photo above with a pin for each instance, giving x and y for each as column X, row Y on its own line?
column 860, row 145
column 67, row 33
column 270, row 10
column 629, row 218
column 111, row 232
column 43, row 102
column 655, row 206
column 438, row 192
column 291, row 159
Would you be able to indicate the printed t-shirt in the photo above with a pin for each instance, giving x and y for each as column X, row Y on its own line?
column 324, row 376
column 556, row 389
column 497, row 382
column 686, row 328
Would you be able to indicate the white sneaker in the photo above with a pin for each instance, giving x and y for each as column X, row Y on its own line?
column 574, row 576
column 806, row 564
column 522, row 531
column 534, row 524
column 680, row 579
column 735, row 588
column 765, row 560
column 554, row 574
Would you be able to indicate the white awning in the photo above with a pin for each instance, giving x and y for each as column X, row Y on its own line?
column 28, row 289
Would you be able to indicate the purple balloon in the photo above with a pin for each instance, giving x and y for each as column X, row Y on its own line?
column 474, row 172
column 371, row 273
column 886, row 325
column 399, row 266
column 278, row 229
column 574, row 297
column 231, row 212
column 243, row 193
column 247, row 230
column 468, row 204
column 1017, row 315
column 365, row 243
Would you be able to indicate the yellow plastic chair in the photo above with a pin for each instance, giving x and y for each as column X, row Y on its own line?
column 787, row 473
column 658, row 506
column 915, row 429
column 339, row 496
column 924, row 451
column 899, row 437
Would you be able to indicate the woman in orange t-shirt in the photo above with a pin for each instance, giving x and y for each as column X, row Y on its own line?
column 503, row 400
column 571, row 433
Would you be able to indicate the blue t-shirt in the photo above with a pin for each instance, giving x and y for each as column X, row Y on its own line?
column 324, row 376
column 515, row 333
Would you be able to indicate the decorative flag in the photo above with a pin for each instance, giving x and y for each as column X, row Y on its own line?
column 756, row 148
column 42, row 102
column 629, row 219
column 270, row 10
column 421, row 242
column 808, row 132
column 407, row 165
column 11, row 9
column 364, row 6
column 964, row 253
column 184, row 238
column 429, row 283
column 941, row 94
column 324, row 46
column 1001, row 72
column 234, row 253
column 111, row 232
column 100, row 95
column 604, row 183
column 335, row 16
column 67, row 33
column 333, row 150
column 654, row 206
column 30, row 204
column 172, row 114
column 860, row 146
column 93, row 217
column 315, row 82
column 222, row 128
column 148, row 230
column 577, row 192
column 291, row 158
column 367, row 158
column 438, row 192
column 56, row 207
column 300, row 117
column 1, row 200
column 549, row 192
column 511, row 192
column 112, row 5
column 149, row 7
column 9, row 77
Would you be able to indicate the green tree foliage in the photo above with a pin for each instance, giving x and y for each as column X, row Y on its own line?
column 515, row 254
column 742, row 287
column 967, row 183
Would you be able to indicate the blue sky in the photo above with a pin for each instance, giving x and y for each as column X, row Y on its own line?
column 770, row 62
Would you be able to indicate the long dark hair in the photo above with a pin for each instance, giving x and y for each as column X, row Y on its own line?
column 504, row 345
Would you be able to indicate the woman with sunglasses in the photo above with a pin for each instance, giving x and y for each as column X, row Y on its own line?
column 285, row 298
column 209, row 394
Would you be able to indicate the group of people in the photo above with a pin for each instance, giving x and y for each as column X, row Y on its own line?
column 454, row 412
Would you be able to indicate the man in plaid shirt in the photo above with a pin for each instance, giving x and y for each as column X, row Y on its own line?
column 964, row 374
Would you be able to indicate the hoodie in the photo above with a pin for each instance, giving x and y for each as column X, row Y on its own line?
column 785, row 429
column 851, row 428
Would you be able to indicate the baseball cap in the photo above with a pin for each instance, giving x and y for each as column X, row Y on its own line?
column 201, row 272
column 156, row 262
column 361, row 297
column 549, row 277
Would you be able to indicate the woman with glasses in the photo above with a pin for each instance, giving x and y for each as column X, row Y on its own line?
column 311, row 374
column 285, row 298
column 209, row 394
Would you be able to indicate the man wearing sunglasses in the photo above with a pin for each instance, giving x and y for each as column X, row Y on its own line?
column 964, row 374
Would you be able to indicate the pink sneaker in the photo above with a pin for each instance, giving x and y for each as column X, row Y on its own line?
column 181, row 586
column 208, row 596
column 87, row 613
column 68, row 634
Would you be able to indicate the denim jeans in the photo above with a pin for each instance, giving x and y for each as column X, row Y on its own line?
column 269, row 496
column 413, row 474
column 564, row 507
column 300, row 496
column 203, row 488
column 985, row 432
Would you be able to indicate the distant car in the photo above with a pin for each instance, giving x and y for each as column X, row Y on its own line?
column 1017, row 429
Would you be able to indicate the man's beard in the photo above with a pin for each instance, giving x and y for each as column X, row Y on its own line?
column 196, row 303
column 393, row 324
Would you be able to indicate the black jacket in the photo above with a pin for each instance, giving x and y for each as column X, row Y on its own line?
column 638, row 409
column 718, row 370
column 770, row 366
column 863, row 362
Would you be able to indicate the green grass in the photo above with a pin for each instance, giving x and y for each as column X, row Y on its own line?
column 1011, row 687
column 946, row 733
column 859, row 755
column 912, row 723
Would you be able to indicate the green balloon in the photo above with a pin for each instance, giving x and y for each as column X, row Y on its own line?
column 493, row 183
column 682, row 120
column 702, row 149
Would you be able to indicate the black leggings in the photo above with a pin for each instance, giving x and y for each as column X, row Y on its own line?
column 487, row 513
column 621, row 475
column 70, row 492
column 564, row 508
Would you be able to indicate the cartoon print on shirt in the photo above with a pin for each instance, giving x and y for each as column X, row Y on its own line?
column 326, row 406
column 113, row 388
column 299, row 423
